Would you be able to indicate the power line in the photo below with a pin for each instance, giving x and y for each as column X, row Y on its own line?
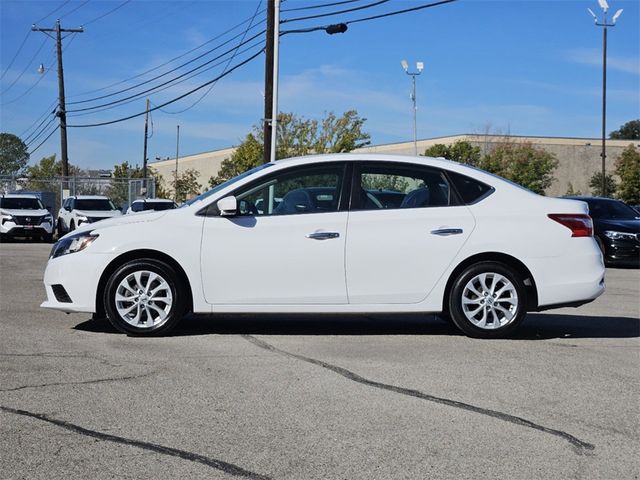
column 47, row 111
column 144, row 92
column 74, row 10
column 228, row 72
column 320, row 15
column 107, row 13
column 168, row 61
column 223, row 70
column 16, row 55
column 42, row 143
column 46, row 71
column 164, row 74
column 52, row 11
column 44, row 119
column 318, row 6
column 42, row 130
column 134, row 98
column 398, row 12
column 25, row 68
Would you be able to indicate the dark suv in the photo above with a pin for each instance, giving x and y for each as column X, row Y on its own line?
column 617, row 229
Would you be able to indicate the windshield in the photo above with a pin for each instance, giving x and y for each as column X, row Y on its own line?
column 231, row 181
column 612, row 209
column 21, row 203
column 168, row 205
column 94, row 204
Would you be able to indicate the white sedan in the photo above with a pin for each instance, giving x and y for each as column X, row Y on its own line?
column 347, row 233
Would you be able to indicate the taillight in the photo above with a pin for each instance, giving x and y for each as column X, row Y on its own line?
column 580, row 224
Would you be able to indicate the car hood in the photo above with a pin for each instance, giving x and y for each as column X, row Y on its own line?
column 99, row 213
column 629, row 226
column 117, row 221
column 23, row 212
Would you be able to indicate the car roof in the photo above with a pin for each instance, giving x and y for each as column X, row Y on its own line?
column 18, row 195
column 89, row 197
column 153, row 200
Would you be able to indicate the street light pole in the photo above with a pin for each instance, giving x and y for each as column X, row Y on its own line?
column 419, row 68
column 604, row 24
column 62, row 114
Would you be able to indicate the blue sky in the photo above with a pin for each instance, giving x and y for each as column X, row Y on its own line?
column 524, row 67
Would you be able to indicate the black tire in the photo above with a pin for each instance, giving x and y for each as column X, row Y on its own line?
column 174, row 310
column 487, row 322
column 47, row 237
column 72, row 226
column 59, row 228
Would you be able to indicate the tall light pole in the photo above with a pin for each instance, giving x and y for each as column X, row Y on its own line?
column 605, row 8
column 419, row 68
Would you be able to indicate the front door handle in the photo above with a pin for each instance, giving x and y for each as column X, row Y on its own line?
column 323, row 235
column 444, row 232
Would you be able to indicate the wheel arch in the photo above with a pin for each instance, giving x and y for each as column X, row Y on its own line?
column 521, row 268
column 139, row 255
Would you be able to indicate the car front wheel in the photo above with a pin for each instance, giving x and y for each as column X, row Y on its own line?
column 144, row 297
column 488, row 300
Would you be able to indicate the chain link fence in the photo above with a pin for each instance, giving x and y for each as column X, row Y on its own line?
column 121, row 191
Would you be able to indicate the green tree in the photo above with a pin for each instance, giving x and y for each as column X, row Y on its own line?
column 522, row 163
column 571, row 191
column 186, row 184
column 460, row 151
column 14, row 154
column 118, row 189
column 595, row 183
column 297, row 136
column 628, row 169
column 628, row 131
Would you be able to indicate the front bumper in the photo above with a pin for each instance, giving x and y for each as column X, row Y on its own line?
column 621, row 252
column 78, row 274
column 11, row 229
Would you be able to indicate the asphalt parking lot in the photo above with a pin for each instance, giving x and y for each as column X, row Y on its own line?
column 333, row 397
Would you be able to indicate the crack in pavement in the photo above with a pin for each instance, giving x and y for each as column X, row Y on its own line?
column 83, row 382
column 225, row 467
column 580, row 447
column 61, row 355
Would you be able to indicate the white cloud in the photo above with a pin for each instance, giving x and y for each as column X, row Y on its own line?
column 593, row 57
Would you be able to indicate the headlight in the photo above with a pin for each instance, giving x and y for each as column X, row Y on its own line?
column 48, row 218
column 81, row 219
column 73, row 244
column 7, row 218
column 613, row 235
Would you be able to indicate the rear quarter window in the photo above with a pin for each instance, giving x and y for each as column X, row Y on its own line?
column 469, row 189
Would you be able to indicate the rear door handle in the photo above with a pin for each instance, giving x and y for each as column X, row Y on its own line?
column 443, row 232
column 323, row 235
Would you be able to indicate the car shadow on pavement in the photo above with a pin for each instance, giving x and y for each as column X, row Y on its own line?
column 537, row 326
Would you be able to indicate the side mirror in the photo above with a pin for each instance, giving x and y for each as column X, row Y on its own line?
column 228, row 206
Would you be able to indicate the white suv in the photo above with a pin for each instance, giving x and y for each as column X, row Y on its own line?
column 24, row 216
column 83, row 209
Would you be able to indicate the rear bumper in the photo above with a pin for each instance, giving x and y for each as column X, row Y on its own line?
column 571, row 279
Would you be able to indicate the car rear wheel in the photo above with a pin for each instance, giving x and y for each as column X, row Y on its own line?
column 144, row 297
column 488, row 300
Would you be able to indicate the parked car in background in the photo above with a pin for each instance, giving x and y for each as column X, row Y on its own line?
column 23, row 215
column 151, row 204
column 617, row 230
column 462, row 242
column 80, row 210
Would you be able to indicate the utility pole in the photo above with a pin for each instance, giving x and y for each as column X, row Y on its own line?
column 62, row 114
column 175, row 183
column 276, row 66
column 144, row 155
column 268, row 81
